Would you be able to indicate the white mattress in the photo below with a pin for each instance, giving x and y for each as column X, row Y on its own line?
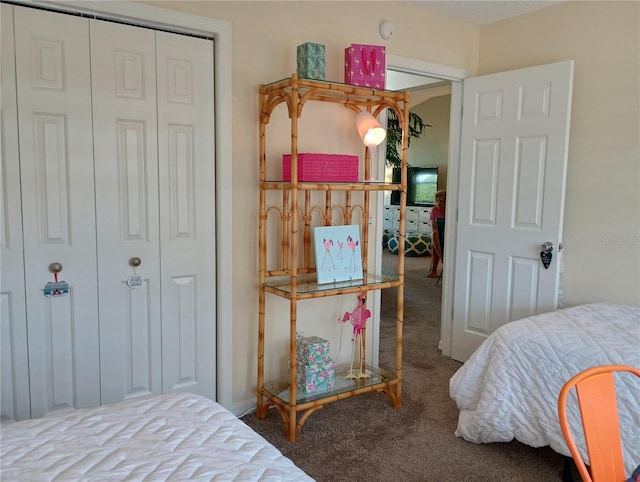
column 509, row 387
column 176, row 436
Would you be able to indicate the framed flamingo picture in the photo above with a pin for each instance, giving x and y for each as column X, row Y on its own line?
column 338, row 253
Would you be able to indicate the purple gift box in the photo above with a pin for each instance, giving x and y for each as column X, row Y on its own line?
column 365, row 65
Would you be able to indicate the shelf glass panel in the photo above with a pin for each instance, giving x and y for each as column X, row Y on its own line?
column 322, row 90
column 307, row 283
column 328, row 83
column 341, row 384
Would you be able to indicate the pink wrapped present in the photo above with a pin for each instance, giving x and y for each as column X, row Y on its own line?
column 365, row 65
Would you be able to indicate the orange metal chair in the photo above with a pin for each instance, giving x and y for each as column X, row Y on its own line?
column 596, row 393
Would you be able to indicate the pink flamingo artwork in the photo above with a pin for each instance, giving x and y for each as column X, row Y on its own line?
column 358, row 318
column 328, row 244
column 340, row 246
column 351, row 244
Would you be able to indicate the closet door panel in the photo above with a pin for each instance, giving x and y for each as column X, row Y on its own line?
column 187, row 208
column 56, row 155
column 125, row 115
column 14, row 376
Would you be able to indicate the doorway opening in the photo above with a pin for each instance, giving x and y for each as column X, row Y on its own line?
column 431, row 100
column 521, row 207
column 425, row 73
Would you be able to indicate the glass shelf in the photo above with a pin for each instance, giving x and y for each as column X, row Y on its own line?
column 307, row 285
column 324, row 90
column 328, row 85
column 341, row 384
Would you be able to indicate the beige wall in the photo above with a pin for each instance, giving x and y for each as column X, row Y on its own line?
column 265, row 37
column 602, row 194
column 602, row 212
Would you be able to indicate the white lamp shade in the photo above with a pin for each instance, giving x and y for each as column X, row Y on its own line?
column 371, row 131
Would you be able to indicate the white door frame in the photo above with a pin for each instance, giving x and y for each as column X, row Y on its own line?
column 220, row 31
column 456, row 76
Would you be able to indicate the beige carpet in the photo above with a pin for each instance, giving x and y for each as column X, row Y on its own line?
column 364, row 439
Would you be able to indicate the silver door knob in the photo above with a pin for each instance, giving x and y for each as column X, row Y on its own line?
column 546, row 247
column 55, row 267
column 135, row 262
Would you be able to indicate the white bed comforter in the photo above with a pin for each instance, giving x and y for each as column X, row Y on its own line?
column 509, row 387
column 176, row 436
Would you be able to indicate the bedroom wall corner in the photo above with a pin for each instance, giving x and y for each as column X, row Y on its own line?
column 602, row 207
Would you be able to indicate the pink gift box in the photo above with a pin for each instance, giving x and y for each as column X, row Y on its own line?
column 322, row 167
column 365, row 65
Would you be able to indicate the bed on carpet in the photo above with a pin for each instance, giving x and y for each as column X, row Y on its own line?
column 509, row 387
column 175, row 436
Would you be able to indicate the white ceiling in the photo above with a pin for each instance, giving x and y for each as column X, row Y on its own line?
column 481, row 12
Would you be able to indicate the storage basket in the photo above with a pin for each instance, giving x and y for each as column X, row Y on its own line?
column 322, row 167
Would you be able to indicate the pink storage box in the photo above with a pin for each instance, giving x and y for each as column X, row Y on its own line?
column 322, row 167
column 365, row 65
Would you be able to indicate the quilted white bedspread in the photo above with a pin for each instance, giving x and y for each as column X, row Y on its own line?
column 176, row 436
column 509, row 387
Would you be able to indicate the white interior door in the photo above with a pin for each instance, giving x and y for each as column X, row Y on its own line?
column 187, row 207
column 56, row 161
column 14, row 387
column 123, row 73
column 511, row 199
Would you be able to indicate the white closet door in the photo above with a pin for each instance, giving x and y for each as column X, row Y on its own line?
column 187, row 209
column 126, row 163
column 14, row 388
column 56, row 157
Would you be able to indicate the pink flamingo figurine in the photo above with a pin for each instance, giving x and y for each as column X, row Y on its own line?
column 358, row 317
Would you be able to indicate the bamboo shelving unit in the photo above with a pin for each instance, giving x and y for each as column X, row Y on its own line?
column 295, row 280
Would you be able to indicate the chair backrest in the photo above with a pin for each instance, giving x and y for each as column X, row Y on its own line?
column 596, row 393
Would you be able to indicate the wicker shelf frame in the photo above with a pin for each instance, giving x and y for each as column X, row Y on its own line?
column 294, row 277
